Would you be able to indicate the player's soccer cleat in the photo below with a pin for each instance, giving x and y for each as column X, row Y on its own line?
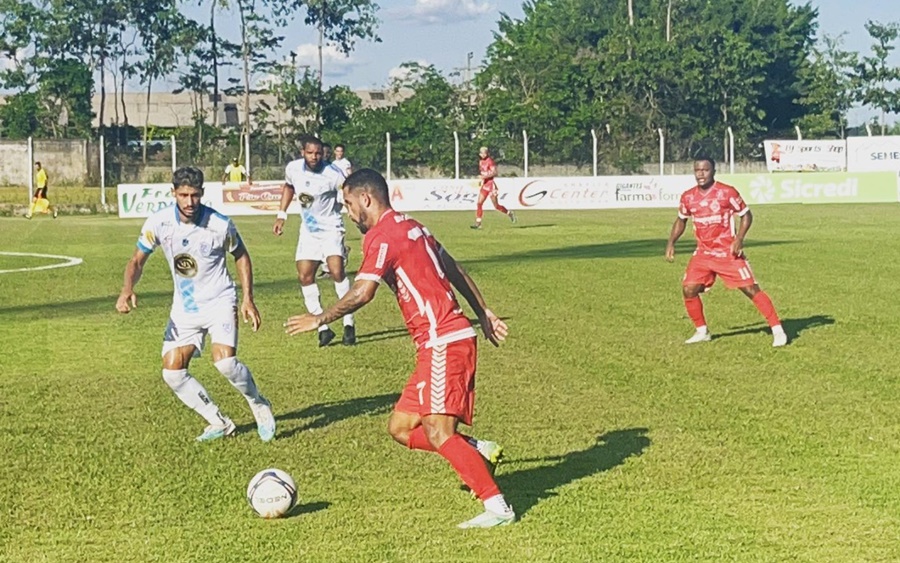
column 216, row 431
column 512, row 216
column 28, row 216
column 699, row 336
column 488, row 519
column 349, row 338
column 492, row 453
column 325, row 337
column 475, row 226
column 265, row 420
column 779, row 339
column 323, row 274
column 55, row 213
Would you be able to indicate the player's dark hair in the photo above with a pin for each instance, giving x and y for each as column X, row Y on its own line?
column 340, row 146
column 371, row 182
column 706, row 158
column 188, row 176
column 310, row 140
column 37, row 163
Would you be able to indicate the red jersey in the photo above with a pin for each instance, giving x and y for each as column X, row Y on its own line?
column 402, row 253
column 712, row 211
column 486, row 167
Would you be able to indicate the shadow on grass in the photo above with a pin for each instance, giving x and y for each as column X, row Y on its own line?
column 527, row 487
column 793, row 327
column 326, row 414
column 643, row 248
column 538, row 226
column 307, row 508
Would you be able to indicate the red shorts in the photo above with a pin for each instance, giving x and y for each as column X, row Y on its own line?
column 734, row 271
column 443, row 383
column 489, row 188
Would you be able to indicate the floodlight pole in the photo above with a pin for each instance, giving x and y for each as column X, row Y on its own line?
column 30, row 169
column 594, row 137
column 103, row 172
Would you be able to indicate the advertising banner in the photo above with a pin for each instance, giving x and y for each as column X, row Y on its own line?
column 872, row 154
column 838, row 187
column 143, row 200
column 806, row 156
column 259, row 198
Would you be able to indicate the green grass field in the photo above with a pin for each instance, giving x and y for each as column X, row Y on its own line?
column 622, row 443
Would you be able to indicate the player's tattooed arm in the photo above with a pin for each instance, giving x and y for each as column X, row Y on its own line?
column 360, row 293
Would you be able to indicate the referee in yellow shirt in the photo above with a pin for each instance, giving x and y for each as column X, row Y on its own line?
column 235, row 172
column 40, row 203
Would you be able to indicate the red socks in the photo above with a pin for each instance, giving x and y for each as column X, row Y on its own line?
column 469, row 465
column 419, row 441
column 502, row 209
column 765, row 306
column 695, row 310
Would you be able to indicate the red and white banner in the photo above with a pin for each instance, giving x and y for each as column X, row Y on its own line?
column 806, row 156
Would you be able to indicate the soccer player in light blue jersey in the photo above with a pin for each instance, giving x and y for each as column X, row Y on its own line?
column 194, row 240
column 317, row 185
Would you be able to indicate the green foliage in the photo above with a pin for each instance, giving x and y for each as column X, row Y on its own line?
column 829, row 90
column 875, row 76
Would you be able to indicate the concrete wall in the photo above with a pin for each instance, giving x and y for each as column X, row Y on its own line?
column 67, row 161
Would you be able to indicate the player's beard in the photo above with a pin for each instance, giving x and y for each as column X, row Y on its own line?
column 361, row 222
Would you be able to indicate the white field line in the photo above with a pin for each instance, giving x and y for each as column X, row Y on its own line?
column 69, row 261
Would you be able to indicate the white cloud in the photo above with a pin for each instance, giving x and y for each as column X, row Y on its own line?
column 444, row 11
column 402, row 74
column 334, row 62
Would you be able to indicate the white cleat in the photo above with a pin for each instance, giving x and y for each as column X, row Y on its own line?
column 265, row 420
column 779, row 339
column 217, row 431
column 488, row 519
column 699, row 336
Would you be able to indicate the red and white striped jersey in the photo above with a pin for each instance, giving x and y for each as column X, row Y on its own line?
column 400, row 252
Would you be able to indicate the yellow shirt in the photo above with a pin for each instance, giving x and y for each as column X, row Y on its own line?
column 41, row 179
column 235, row 173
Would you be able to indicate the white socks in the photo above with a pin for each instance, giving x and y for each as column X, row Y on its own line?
column 239, row 376
column 311, row 299
column 342, row 288
column 192, row 394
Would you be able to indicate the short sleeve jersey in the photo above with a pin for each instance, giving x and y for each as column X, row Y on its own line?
column 235, row 173
column 40, row 179
column 196, row 255
column 712, row 212
column 344, row 165
column 400, row 252
column 487, row 166
column 317, row 193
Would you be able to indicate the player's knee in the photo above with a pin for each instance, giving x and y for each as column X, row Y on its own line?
column 691, row 291
column 227, row 366
column 175, row 378
column 436, row 434
column 399, row 432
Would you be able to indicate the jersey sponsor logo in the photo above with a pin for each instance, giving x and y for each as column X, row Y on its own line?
column 149, row 238
column 715, row 207
column 382, row 255
column 206, row 248
column 185, row 265
column 708, row 220
column 305, row 199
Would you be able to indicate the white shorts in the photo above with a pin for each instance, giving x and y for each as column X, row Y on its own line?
column 319, row 246
column 190, row 329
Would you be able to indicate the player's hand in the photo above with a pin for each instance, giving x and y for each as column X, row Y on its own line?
column 250, row 314
column 494, row 329
column 122, row 303
column 301, row 323
column 670, row 253
column 278, row 227
column 737, row 247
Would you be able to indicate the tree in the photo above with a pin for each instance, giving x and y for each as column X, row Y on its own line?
column 875, row 77
column 828, row 92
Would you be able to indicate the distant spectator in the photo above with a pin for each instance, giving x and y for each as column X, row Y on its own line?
column 235, row 172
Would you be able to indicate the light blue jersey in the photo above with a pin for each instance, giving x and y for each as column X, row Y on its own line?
column 196, row 255
column 318, row 194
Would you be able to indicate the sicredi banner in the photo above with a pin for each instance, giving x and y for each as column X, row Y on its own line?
column 806, row 156
column 872, row 154
column 878, row 187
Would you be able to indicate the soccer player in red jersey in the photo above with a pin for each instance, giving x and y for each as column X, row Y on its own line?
column 402, row 254
column 720, row 252
column 488, row 171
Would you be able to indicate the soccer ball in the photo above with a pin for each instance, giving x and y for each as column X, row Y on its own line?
column 272, row 493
